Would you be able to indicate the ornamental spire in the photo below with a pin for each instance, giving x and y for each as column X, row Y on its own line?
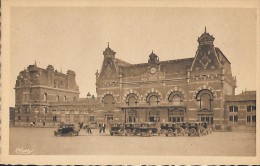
column 205, row 29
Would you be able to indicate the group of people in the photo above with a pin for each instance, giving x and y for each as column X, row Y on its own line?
column 102, row 127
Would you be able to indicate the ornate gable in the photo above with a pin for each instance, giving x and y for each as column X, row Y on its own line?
column 206, row 56
column 109, row 70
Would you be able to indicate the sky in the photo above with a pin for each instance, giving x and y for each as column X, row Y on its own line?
column 75, row 38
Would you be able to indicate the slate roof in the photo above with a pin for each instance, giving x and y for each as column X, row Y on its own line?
column 170, row 67
column 244, row 96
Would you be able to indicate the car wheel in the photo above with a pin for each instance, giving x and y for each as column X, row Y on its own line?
column 128, row 131
column 192, row 131
column 181, row 131
column 170, row 132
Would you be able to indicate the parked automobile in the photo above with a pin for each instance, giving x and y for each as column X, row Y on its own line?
column 182, row 128
column 206, row 128
column 195, row 129
column 132, row 128
column 67, row 130
column 148, row 129
column 169, row 129
column 117, row 128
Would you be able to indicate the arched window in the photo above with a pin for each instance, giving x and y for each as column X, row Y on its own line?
column 153, row 100
column 131, row 99
column 109, row 102
column 27, row 110
column 205, row 97
column 19, row 110
column 176, row 98
column 45, row 110
column 45, row 97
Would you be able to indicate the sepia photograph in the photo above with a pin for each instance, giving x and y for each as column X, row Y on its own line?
column 129, row 82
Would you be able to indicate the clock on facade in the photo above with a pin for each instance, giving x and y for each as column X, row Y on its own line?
column 153, row 70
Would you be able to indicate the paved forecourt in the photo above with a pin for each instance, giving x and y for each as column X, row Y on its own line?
column 41, row 141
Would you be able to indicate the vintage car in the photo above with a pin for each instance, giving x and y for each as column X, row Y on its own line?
column 67, row 130
column 206, row 128
column 169, row 129
column 195, row 129
column 117, row 128
column 148, row 129
column 182, row 128
column 132, row 128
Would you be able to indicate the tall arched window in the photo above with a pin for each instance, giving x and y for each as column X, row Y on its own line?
column 153, row 100
column 109, row 106
column 19, row 110
column 109, row 102
column 204, row 98
column 131, row 99
column 175, row 98
column 27, row 110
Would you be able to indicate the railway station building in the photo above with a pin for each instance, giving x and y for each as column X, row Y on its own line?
column 200, row 88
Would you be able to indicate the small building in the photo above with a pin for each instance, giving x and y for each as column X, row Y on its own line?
column 241, row 109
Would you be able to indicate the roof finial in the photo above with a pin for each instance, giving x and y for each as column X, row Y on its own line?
column 152, row 51
column 108, row 44
column 205, row 29
column 35, row 64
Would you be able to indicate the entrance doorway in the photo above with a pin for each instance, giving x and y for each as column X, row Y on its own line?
column 205, row 118
column 176, row 119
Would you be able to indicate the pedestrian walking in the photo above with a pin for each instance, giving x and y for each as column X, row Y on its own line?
column 104, row 127
column 100, row 127
column 89, row 129
column 86, row 127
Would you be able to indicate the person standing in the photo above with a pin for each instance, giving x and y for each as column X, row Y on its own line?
column 89, row 129
column 100, row 127
column 104, row 127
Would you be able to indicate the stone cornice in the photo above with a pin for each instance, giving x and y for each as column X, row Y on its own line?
column 46, row 87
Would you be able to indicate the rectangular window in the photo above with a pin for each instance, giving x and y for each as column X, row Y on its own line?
column 253, row 118
column 253, row 108
column 235, row 118
column 233, row 109
column 248, row 119
column 231, row 118
column 91, row 118
column 54, row 118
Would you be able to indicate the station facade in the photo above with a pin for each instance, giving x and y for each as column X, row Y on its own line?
column 201, row 88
